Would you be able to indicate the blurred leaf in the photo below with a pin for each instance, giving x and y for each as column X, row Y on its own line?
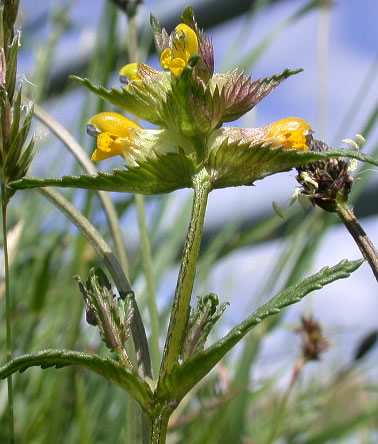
column 235, row 415
column 364, row 171
column 251, row 59
column 358, row 101
column 82, row 411
column 340, row 430
column 367, row 343
column 184, row 377
column 44, row 275
column 245, row 31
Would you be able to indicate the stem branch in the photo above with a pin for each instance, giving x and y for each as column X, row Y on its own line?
column 363, row 242
column 8, row 314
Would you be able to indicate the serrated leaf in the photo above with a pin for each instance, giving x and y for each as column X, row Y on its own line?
column 108, row 368
column 241, row 93
column 160, row 175
column 234, row 164
column 185, row 376
column 143, row 98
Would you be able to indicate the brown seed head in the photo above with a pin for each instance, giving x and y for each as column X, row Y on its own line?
column 325, row 181
column 313, row 341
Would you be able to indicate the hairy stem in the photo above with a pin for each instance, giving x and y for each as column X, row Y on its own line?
column 160, row 425
column 363, row 242
column 8, row 313
column 181, row 304
column 150, row 282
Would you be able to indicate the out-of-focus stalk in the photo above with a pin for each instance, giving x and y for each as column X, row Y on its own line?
column 8, row 314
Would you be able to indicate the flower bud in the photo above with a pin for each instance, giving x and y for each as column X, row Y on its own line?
column 129, row 73
column 290, row 133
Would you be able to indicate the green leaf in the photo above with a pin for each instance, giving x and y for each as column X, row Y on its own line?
column 143, row 98
column 108, row 368
column 234, row 164
column 163, row 174
column 185, row 376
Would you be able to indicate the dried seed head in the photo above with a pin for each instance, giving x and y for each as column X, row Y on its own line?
column 325, row 181
column 313, row 341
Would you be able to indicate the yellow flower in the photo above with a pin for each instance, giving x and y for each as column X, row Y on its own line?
column 129, row 72
column 289, row 133
column 114, row 134
column 184, row 44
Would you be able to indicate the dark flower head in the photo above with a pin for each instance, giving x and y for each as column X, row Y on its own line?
column 325, row 181
column 313, row 341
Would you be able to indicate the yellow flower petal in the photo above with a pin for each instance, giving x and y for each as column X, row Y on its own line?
column 113, row 123
column 184, row 45
column 109, row 146
column 177, row 67
column 130, row 71
column 290, row 133
column 116, row 133
column 185, row 42
column 166, row 58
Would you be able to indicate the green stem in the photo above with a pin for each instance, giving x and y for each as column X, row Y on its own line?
column 8, row 310
column 362, row 240
column 181, row 304
column 160, row 425
column 150, row 282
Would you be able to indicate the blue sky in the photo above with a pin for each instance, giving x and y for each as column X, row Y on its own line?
column 322, row 94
